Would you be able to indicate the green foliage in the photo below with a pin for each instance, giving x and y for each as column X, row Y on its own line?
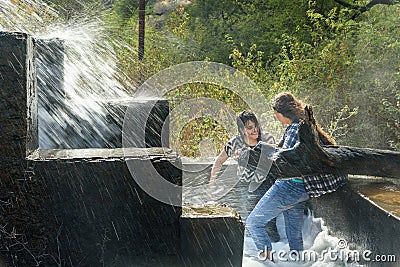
column 188, row 132
column 345, row 64
column 392, row 111
column 246, row 22
column 193, row 135
column 162, row 47
column 375, row 79
column 125, row 10
column 72, row 9
column 250, row 64
column 177, row 21
column 338, row 127
column 347, row 70
column 315, row 70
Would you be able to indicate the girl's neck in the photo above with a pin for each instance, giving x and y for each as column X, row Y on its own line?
column 251, row 142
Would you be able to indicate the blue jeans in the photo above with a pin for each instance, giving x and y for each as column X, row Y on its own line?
column 286, row 197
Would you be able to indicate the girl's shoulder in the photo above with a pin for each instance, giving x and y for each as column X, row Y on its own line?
column 268, row 138
column 235, row 139
column 292, row 128
column 234, row 144
column 294, row 125
column 290, row 137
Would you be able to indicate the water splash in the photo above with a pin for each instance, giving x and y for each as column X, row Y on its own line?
column 88, row 84
column 316, row 240
column 78, row 80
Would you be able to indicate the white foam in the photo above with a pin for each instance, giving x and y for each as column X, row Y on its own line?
column 316, row 240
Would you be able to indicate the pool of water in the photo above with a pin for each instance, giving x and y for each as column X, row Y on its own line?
column 382, row 191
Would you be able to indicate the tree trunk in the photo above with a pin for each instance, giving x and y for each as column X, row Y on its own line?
column 142, row 13
column 309, row 157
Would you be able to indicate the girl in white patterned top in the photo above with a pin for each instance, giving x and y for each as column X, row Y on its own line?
column 249, row 134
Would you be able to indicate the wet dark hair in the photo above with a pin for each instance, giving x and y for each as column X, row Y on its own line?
column 293, row 109
column 243, row 118
column 289, row 106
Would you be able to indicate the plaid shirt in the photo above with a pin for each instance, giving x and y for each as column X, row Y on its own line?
column 315, row 185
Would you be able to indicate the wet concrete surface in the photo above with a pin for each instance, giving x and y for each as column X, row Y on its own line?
column 211, row 236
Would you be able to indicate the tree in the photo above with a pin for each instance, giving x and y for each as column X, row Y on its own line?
column 142, row 13
column 71, row 9
column 352, row 65
column 246, row 22
column 361, row 9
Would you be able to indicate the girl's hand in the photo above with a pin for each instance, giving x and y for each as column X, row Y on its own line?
column 237, row 154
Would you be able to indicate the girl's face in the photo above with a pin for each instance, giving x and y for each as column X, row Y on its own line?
column 282, row 119
column 251, row 131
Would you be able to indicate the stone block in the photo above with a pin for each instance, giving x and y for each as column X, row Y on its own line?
column 98, row 213
column 211, row 236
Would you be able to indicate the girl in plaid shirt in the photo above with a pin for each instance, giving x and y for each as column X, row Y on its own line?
column 290, row 195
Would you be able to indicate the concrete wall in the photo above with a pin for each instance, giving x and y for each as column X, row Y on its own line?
column 211, row 236
column 100, row 215
column 347, row 214
column 16, row 80
column 72, row 207
column 360, row 222
column 17, row 77
column 81, row 207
